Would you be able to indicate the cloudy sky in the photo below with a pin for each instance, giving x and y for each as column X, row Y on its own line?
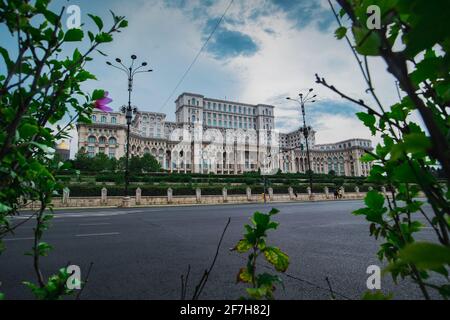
column 263, row 51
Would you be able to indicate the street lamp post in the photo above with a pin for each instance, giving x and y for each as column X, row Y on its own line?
column 128, row 110
column 302, row 100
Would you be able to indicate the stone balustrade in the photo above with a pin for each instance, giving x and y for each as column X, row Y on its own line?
column 104, row 200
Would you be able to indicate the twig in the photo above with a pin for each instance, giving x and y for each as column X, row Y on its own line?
column 201, row 285
column 184, row 283
column 85, row 282
column 331, row 289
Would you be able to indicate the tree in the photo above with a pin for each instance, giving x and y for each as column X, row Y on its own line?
column 405, row 159
column 81, row 161
column 39, row 88
column 150, row 164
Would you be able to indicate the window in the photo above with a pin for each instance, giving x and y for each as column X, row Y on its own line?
column 112, row 153
column 113, row 120
column 92, row 139
column 94, row 118
column 101, row 150
column 234, row 108
column 112, row 141
column 102, row 140
column 91, row 151
column 103, row 120
column 240, row 109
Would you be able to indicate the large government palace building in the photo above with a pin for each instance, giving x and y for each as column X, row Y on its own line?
column 219, row 136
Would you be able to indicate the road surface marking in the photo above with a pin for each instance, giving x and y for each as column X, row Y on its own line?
column 95, row 224
column 18, row 239
column 98, row 234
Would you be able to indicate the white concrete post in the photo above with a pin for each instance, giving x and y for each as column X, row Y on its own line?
column 104, row 196
column 198, row 195
column 291, row 193
column 169, row 195
column 66, row 195
column 326, row 191
column 138, row 196
column 249, row 194
column 225, row 194
column 270, row 194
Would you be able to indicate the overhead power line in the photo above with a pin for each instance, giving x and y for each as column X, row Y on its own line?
column 196, row 56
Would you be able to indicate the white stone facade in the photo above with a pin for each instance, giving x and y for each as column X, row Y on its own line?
column 219, row 136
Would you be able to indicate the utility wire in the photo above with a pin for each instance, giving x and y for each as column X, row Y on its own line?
column 197, row 56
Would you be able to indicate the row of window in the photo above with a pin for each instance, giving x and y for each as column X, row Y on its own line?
column 228, row 107
column 102, row 140
column 101, row 150
column 230, row 124
column 104, row 119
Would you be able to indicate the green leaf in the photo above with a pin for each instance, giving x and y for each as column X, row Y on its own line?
column 267, row 280
column 416, row 143
column 4, row 208
column 274, row 212
column 374, row 200
column 368, row 42
column 277, row 258
column 2, row 296
column 243, row 246
column 123, row 24
column 98, row 21
column 367, row 157
column 103, row 37
column 340, row 32
column 73, row 35
column 98, row 94
column 85, row 75
column 28, row 130
column 244, row 276
column 426, row 255
column 261, row 219
column 44, row 248
column 376, row 295
column 369, row 120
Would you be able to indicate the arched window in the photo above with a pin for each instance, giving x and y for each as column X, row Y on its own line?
column 112, row 141
column 92, row 139
column 94, row 118
column 113, row 120
column 102, row 140
column 103, row 120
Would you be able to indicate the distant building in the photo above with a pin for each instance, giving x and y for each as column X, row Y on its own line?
column 63, row 150
column 218, row 136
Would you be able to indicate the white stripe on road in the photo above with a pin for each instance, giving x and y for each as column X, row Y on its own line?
column 98, row 234
column 95, row 224
column 18, row 239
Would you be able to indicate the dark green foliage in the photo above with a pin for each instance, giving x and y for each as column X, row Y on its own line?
column 39, row 87
column 406, row 159
column 262, row 285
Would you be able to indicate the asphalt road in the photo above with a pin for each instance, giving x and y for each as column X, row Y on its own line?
column 140, row 253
